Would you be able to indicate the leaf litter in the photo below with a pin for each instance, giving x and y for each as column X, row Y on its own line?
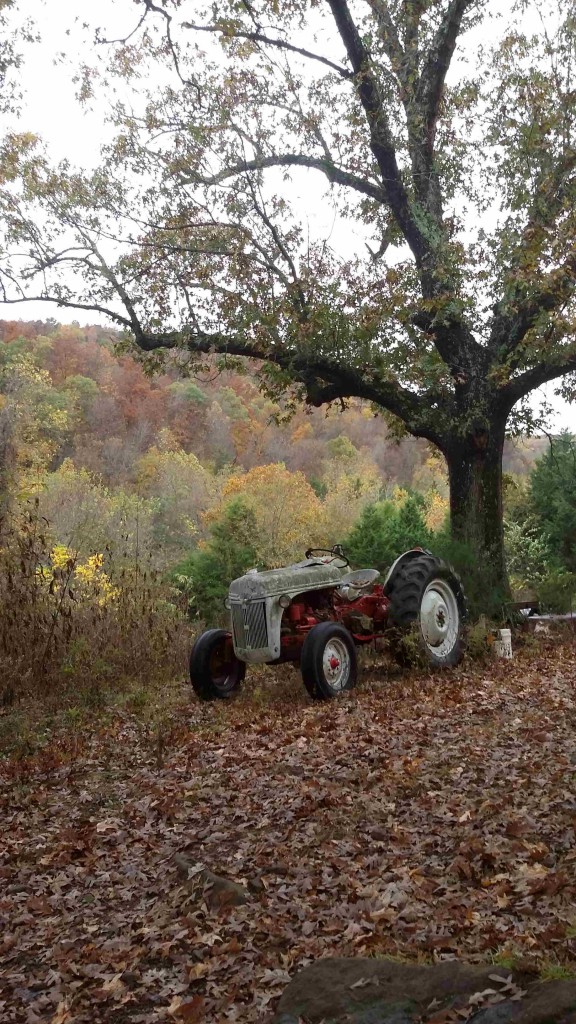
column 425, row 818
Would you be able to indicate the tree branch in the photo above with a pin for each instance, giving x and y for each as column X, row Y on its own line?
column 516, row 315
column 438, row 58
column 381, row 141
column 258, row 37
column 62, row 303
column 520, row 386
column 335, row 174
column 325, row 381
column 390, row 39
column 152, row 7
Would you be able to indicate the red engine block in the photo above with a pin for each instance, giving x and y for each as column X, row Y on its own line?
column 365, row 617
column 375, row 605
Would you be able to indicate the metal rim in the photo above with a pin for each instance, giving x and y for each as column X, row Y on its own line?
column 439, row 617
column 336, row 663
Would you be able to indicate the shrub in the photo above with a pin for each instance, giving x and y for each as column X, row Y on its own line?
column 464, row 560
column 65, row 623
column 557, row 592
column 553, row 500
column 527, row 554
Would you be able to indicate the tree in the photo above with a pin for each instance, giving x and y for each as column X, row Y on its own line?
column 287, row 512
column 384, row 531
column 553, row 500
column 10, row 59
column 462, row 182
column 206, row 575
column 350, row 481
column 181, row 490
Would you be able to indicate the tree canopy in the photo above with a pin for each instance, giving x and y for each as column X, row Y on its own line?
column 443, row 131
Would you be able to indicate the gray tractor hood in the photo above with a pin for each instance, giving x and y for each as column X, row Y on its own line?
column 311, row 574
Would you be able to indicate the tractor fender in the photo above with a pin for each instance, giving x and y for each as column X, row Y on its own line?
column 400, row 561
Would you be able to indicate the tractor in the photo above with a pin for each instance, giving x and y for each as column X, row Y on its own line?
column 318, row 613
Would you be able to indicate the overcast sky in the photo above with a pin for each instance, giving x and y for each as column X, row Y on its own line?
column 50, row 110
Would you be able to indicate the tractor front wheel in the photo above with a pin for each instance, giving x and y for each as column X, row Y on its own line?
column 215, row 671
column 427, row 598
column 329, row 663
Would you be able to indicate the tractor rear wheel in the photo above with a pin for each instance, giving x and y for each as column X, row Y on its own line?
column 328, row 664
column 427, row 599
column 215, row 671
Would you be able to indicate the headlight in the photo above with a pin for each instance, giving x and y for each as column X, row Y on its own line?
column 284, row 600
column 227, row 603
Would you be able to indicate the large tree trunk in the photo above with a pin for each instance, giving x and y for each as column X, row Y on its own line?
column 475, row 472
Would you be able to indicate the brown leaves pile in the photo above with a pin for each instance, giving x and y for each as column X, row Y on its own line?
column 429, row 818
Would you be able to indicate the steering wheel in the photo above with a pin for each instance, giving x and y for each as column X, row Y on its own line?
column 336, row 552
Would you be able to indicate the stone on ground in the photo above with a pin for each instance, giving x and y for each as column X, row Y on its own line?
column 370, row 991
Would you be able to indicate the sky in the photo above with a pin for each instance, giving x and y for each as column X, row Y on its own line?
column 50, row 109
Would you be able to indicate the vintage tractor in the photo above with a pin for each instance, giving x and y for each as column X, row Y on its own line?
column 316, row 613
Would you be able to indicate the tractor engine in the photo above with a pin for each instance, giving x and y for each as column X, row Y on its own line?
column 364, row 615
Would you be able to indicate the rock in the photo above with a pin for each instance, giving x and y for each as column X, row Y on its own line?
column 216, row 890
column 368, row 991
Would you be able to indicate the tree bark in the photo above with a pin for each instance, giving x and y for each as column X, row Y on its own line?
column 475, row 473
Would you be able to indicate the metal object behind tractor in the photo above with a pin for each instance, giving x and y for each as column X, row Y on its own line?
column 317, row 613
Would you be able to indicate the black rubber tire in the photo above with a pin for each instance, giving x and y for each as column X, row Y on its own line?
column 406, row 591
column 213, row 677
column 311, row 664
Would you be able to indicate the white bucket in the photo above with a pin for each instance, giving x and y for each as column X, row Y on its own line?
column 503, row 645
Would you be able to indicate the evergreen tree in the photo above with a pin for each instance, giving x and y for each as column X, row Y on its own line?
column 384, row 531
column 553, row 500
column 207, row 574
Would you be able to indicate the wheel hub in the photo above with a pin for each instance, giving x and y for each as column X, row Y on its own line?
column 439, row 617
column 336, row 663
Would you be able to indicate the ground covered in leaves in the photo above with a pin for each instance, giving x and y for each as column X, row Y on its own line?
column 423, row 817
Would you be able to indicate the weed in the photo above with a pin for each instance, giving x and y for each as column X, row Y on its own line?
column 480, row 640
column 138, row 699
column 552, row 970
column 507, row 959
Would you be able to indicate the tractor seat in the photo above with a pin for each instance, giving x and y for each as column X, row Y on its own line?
column 353, row 583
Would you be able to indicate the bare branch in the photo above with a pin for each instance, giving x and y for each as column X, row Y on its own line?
column 70, row 304
column 125, row 39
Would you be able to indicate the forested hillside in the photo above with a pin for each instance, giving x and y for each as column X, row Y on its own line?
column 117, row 456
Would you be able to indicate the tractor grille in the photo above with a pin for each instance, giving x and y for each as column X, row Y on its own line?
column 249, row 624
